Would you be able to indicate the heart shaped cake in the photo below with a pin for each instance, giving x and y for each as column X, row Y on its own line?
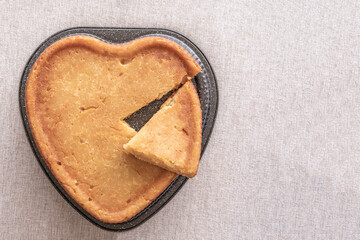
column 78, row 93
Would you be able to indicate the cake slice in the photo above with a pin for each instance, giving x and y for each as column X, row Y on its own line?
column 171, row 139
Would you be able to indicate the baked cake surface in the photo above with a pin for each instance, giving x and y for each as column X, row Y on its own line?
column 77, row 94
column 171, row 139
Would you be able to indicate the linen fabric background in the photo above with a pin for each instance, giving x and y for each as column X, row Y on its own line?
column 283, row 161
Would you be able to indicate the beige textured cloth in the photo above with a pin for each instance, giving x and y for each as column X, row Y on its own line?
column 283, row 161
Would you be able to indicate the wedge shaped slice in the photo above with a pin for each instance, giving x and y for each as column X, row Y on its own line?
column 171, row 139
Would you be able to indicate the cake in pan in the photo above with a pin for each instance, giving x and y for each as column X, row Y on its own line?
column 78, row 93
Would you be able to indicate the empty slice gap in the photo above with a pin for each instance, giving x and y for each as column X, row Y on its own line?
column 139, row 118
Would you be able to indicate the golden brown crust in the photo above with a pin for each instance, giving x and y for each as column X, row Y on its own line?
column 126, row 50
column 71, row 126
column 171, row 139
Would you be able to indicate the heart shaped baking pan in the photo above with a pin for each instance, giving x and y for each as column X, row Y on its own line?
column 204, row 82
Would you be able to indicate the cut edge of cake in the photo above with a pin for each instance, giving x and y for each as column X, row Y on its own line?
column 149, row 143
